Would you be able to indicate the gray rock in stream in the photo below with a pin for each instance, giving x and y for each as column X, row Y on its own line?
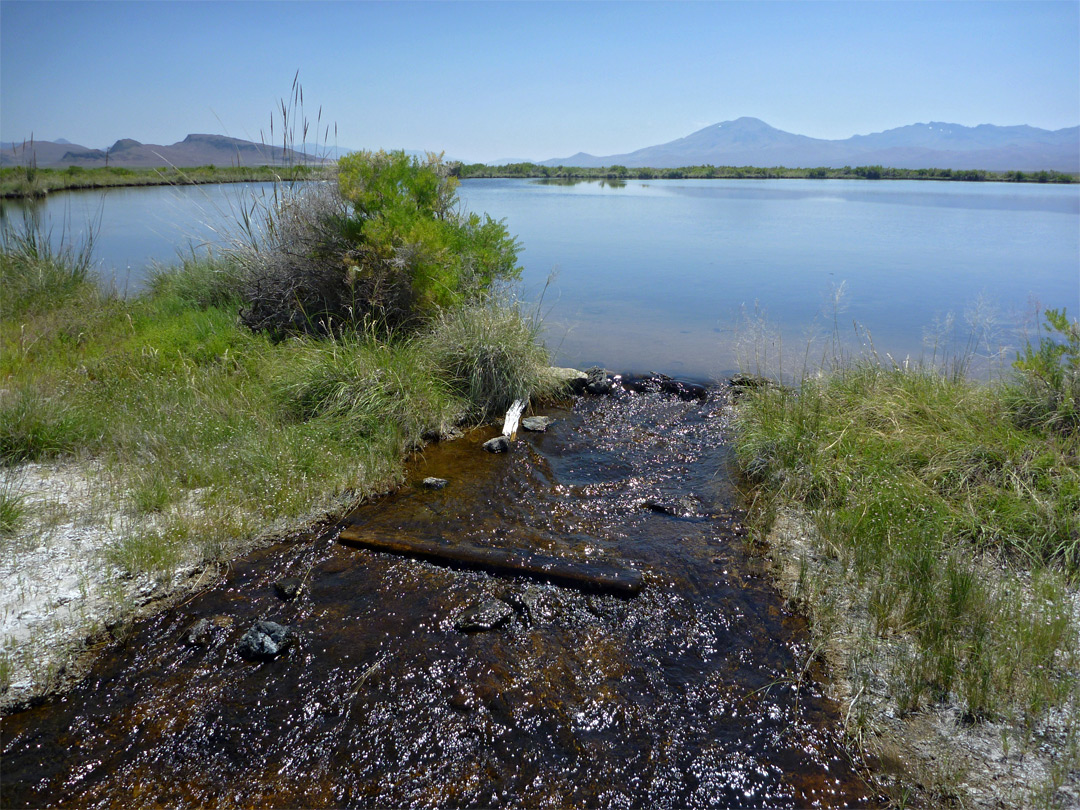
column 265, row 640
column 537, row 424
column 487, row 615
column 434, row 483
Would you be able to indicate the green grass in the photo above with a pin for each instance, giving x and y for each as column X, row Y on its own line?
column 11, row 509
column 18, row 181
column 952, row 522
column 223, row 434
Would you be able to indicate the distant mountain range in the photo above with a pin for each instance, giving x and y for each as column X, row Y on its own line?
column 752, row 142
column 194, row 150
column 742, row 142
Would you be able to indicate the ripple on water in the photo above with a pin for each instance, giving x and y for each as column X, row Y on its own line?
column 688, row 695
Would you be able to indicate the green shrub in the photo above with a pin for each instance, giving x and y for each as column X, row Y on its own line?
column 1047, row 393
column 386, row 245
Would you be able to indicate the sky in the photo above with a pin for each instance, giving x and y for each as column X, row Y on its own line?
column 523, row 80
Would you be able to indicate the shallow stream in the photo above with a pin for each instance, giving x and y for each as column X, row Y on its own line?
column 695, row 693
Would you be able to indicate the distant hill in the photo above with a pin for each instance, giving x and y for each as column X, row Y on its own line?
column 752, row 142
column 194, row 150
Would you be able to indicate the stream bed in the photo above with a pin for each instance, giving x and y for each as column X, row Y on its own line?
column 698, row 692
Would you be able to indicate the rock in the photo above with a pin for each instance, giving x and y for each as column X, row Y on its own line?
column 661, row 383
column 265, row 640
column 741, row 383
column 487, row 615
column 598, row 382
column 200, row 634
column 434, row 483
column 684, row 506
column 570, row 379
column 288, row 587
column 537, row 424
column 533, row 605
column 500, row 444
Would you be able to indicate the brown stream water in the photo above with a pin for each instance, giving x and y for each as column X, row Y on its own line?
column 695, row 693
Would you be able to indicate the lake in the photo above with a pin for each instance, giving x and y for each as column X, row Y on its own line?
column 696, row 277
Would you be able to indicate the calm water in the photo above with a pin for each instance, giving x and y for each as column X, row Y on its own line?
column 678, row 275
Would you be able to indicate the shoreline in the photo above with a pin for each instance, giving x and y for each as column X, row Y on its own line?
column 951, row 759
column 56, row 180
column 20, row 183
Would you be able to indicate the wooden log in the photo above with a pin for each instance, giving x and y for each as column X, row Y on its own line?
column 601, row 577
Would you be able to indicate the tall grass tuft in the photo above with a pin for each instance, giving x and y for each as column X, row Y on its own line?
column 200, row 281
column 36, row 425
column 365, row 387
column 490, row 355
column 39, row 269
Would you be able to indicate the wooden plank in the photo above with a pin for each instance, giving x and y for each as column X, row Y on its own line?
column 602, row 577
column 513, row 416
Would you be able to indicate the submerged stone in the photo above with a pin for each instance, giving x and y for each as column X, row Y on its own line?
column 487, row 615
column 265, row 640
column 200, row 634
column 683, row 506
column 661, row 383
column 500, row 444
column 288, row 587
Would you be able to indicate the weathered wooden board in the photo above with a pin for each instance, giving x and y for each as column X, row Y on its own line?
column 601, row 577
column 513, row 416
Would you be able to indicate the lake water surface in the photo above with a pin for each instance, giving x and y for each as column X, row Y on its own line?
column 692, row 277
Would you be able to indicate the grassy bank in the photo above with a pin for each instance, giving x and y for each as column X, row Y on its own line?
column 938, row 556
column 24, row 181
column 705, row 172
column 198, row 432
column 183, row 405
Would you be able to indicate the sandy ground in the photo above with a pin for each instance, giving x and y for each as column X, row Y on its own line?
column 59, row 592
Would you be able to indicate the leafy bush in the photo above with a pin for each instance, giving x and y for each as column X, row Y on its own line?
column 386, row 245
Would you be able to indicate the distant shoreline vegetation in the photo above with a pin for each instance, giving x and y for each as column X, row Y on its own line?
column 30, row 181
column 469, row 171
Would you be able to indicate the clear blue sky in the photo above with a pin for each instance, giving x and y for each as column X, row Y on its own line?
column 493, row 80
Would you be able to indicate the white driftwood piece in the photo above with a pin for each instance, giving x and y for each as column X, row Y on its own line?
column 513, row 416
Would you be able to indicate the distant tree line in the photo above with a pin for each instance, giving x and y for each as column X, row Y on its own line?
column 30, row 181
column 706, row 172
